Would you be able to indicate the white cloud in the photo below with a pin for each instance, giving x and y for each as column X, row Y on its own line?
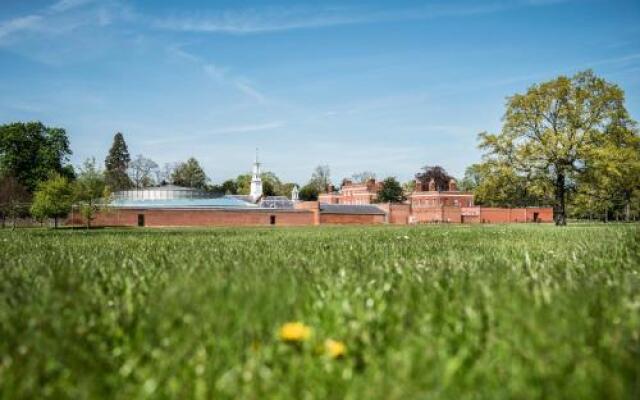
column 273, row 19
column 19, row 24
column 64, row 5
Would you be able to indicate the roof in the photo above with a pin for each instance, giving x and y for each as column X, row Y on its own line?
column 165, row 187
column 350, row 209
column 219, row 202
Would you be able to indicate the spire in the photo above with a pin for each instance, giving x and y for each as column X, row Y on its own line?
column 256, row 180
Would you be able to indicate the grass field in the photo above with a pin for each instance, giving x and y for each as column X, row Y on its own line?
column 526, row 312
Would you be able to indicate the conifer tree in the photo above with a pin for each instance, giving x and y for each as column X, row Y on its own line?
column 116, row 165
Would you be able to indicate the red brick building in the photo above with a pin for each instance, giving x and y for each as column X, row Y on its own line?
column 426, row 205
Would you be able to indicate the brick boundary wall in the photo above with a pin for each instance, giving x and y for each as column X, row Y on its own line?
column 352, row 219
column 198, row 217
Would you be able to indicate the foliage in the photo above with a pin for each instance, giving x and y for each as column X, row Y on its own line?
column 362, row 177
column 552, row 132
column 391, row 191
column 497, row 184
column 189, row 174
column 116, row 165
column 14, row 199
column 309, row 193
column 53, row 199
column 30, row 152
column 90, row 191
column 141, row 170
column 493, row 312
column 321, row 178
column 271, row 185
column 229, row 187
column 438, row 174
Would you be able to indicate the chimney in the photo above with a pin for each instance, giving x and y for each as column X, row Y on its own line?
column 452, row 186
column 432, row 185
column 419, row 187
column 330, row 188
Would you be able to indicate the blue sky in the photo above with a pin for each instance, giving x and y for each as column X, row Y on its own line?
column 367, row 85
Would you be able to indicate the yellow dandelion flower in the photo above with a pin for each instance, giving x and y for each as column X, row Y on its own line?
column 334, row 348
column 294, row 332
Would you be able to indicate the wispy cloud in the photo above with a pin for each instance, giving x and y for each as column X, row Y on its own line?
column 19, row 24
column 273, row 19
column 64, row 5
column 242, row 84
column 220, row 74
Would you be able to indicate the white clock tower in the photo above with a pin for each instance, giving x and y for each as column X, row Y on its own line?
column 256, row 181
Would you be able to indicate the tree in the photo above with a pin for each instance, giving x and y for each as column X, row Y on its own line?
column 141, row 171
column 552, row 130
column 189, row 174
column 608, row 186
column 31, row 151
column 14, row 198
column 472, row 178
column 495, row 183
column 164, row 175
column 390, row 191
column 116, row 165
column 363, row 177
column 438, row 174
column 91, row 191
column 53, row 199
column 321, row 178
column 229, row 187
column 309, row 192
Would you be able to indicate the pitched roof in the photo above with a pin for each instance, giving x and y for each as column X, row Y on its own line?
column 350, row 209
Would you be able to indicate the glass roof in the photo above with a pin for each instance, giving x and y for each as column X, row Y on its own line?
column 220, row 202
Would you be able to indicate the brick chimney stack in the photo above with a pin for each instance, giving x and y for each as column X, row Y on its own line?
column 453, row 187
column 418, row 185
column 432, row 185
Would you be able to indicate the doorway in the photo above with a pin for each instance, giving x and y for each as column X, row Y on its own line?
column 272, row 220
column 140, row 219
column 536, row 217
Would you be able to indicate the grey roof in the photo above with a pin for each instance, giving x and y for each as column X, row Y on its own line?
column 349, row 209
column 169, row 187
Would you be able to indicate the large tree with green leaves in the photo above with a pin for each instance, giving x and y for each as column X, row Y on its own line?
column 552, row 130
column 116, row 164
column 390, row 191
column 30, row 152
column 189, row 174
column 91, row 192
column 53, row 199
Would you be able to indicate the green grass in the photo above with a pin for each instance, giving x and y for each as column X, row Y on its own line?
column 452, row 312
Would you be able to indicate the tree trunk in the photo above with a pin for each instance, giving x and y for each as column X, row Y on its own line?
column 55, row 222
column 560, row 214
column 627, row 206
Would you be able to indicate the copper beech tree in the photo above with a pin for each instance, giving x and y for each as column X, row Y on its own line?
column 558, row 132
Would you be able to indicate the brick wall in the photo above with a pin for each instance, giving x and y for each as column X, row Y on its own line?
column 514, row 215
column 178, row 217
column 351, row 219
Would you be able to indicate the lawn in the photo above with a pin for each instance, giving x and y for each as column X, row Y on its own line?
column 434, row 312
